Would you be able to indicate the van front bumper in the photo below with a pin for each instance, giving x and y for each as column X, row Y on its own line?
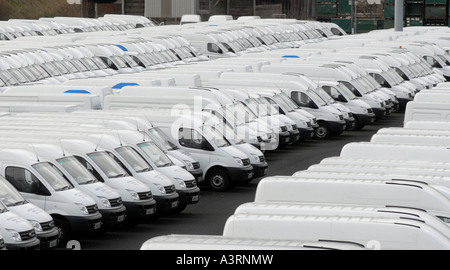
column 48, row 239
column 24, row 245
column 260, row 170
column 336, row 127
column 295, row 135
column 240, row 175
column 189, row 196
column 140, row 209
column 198, row 175
column 85, row 225
column 113, row 217
column 306, row 133
column 379, row 113
column 365, row 119
column 167, row 203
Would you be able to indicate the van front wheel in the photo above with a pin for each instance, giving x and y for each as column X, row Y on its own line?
column 323, row 131
column 218, row 180
column 64, row 231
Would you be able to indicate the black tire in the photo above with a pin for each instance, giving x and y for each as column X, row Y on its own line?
column 358, row 125
column 180, row 208
column 323, row 131
column 65, row 233
column 218, row 180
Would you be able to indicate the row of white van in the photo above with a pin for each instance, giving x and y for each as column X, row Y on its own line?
column 389, row 193
column 196, row 141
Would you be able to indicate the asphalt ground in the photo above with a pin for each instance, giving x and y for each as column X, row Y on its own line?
column 209, row 215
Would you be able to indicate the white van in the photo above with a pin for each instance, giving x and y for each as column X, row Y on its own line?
column 132, row 162
column 378, row 101
column 74, row 212
column 176, row 99
column 107, row 199
column 312, row 190
column 135, row 195
column 17, row 232
column 435, row 126
column 67, row 88
column 42, row 222
column 427, row 111
column 223, row 165
column 395, row 151
column 219, row 242
column 330, row 120
column 361, row 110
column 85, row 101
column 381, row 233
column 308, row 209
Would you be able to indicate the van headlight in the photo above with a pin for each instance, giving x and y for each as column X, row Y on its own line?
column 255, row 158
column 36, row 225
column 82, row 208
column 161, row 188
column 181, row 182
column 189, row 165
column 133, row 195
column 105, row 202
column 239, row 161
column 15, row 235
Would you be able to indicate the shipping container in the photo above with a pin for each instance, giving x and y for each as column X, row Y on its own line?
column 414, row 21
column 364, row 26
column 435, row 12
column 326, row 10
column 344, row 8
column 345, row 24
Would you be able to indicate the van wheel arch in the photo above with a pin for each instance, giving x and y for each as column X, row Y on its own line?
column 65, row 231
column 323, row 132
column 218, row 179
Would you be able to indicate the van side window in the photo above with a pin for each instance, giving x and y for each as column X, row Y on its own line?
column 335, row 94
column 88, row 166
column 352, row 88
column 109, row 63
column 301, row 99
column 214, row 48
column 380, row 80
column 119, row 162
column 192, row 139
column 25, row 181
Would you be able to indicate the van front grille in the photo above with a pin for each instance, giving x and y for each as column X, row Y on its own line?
column 92, row 209
column 145, row 195
column 27, row 235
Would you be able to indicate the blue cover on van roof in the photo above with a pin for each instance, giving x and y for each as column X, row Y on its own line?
column 122, row 47
column 290, row 56
column 122, row 85
column 77, row 92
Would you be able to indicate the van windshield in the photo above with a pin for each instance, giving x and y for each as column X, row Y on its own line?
column 134, row 159
column 53, row 176
column 8, row 78
column 242, row 112
column 9, row 195
column 347, row 93
column 256, row 107
column 108, row 165
column 76, row 170
column 158, row 157
column 278, row 100
column 212, row 134
column 163, row 138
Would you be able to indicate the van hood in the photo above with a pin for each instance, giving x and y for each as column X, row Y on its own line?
column 129, row 183
column 102, row 190
column 176, row 172
column 154, row 177
column 10, row 220
column 31, row 212
column 234, row 152
column 77, row 196
column 252, row 152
